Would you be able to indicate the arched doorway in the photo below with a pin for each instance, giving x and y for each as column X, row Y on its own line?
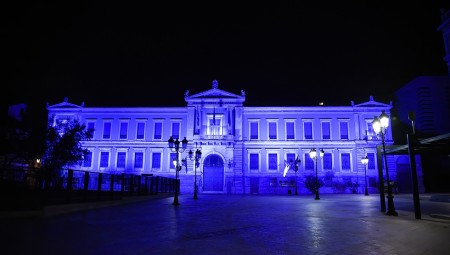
column 213, row 174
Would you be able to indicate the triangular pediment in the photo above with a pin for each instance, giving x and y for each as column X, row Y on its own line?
column 372, row 103
column 214, row 94
column 65, row 104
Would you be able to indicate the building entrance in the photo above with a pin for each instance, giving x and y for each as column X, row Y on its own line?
column 213, row 174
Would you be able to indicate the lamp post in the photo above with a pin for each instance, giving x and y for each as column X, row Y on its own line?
column 174, row 146
column 365, row 161
column 314, row 156
column 295, row 165
column 196, row 158
column 380, row 125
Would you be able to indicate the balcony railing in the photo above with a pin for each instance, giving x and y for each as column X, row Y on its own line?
column 216, row 137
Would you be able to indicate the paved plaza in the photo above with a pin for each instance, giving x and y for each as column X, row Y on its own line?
column 233, row 224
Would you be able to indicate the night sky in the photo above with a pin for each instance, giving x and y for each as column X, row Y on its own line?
column 117, row 53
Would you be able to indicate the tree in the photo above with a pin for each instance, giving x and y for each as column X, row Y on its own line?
column 21, row 139
column 63, row 147
column 12, row 140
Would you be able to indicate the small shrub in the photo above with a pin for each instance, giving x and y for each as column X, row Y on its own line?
column 310, row 183
column 353, row 186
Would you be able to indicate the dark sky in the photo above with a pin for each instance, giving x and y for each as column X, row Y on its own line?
column 117, row 53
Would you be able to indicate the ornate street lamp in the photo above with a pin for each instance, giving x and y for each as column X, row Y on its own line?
column 198, row 156
column 314, row 156
column 380, row 125
column 174, row 146
column 365, row 161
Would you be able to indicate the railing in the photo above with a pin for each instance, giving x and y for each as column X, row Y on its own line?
column 216, row 137
column 69, row 186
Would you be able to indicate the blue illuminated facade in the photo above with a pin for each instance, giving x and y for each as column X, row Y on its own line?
column 244, row 149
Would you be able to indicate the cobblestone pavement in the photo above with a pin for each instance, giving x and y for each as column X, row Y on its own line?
column 236, row 224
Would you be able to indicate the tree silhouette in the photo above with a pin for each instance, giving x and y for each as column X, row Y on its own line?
column 63, row 148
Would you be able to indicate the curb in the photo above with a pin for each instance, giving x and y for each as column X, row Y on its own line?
column 440, row 216
column 440, row 198
column 53, row 210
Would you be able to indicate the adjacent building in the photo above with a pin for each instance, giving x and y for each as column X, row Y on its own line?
column 444, row 28
column 428, row 97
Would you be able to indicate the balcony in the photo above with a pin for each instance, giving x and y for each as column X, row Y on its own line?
column 216, row 137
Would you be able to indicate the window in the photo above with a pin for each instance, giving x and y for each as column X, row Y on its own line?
column 138, row 160
column 157, row 135
column 62, row 120
column 156, row 160
column 345, row 161
column 307, row 126
column 254, row 161
column 121, row 157
column 176, row 130
column 290, row 131
column 104, row 159
column 371, row 158
column 140, row 130
column 107, row 130
column 215, row 124
column 173, row 157
column 309, row 162
column 326, row 130
column 60, row 123
column 327, row 161
column 88, row 160
column 272, row 130
column 253, row 130
column 91, row 126
column 289, row 157
column 197, row 122
column 343, row 126
column 123, row 130
column 273, row 161
column 370, row 133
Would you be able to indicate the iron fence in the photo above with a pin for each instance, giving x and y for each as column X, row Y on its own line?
column 22, row 187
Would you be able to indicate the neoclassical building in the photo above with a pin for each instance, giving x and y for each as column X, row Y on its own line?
column 245, row 150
